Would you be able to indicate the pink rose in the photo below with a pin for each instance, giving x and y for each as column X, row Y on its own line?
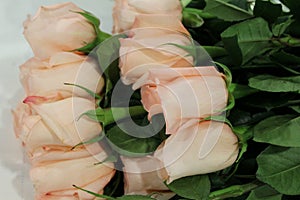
column 182, row 94
column 55, row 180
column 207, row 147
column 141, row 176
column 125, row 11
column 149, row 48
column 49, row 128
column 45, row 77
column 57, row 28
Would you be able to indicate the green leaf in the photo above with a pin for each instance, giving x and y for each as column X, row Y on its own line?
column 269, row 101
column 215, row 51
column 191, row 187
column 267, row 10
column 243, row 4
column 296, row 108
column 191, row 19
column 199, row 12
column 264, row 192
column 281, row 130
column 232, row 46
column 271, row 83
column 233, row 191
column 280, row 168
column 240, row 91
column 226, row 11
column 145, row 143
column 184, row 3
column 279, row 28
column 252, row 37
column 285, row 58
column 240, row 117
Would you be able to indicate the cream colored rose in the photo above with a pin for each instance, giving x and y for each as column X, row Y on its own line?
column 141, row 176
column 198, row 148
column 45, row 77
column 182, row 94
column 55, row 180
column 49, row 128
column 149, row 48
column 125, row 11
column 57, row 28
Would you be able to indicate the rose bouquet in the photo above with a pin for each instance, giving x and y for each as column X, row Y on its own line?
column 187, row 100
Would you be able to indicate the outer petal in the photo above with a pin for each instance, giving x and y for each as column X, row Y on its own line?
column 125, row 11
column 160, row 21
column 56, row 28
column 182, row 155
column 141, row 176
column 193, row 95
column 155, row 6
column 137, row 56
column 58, row 178
column 61, row 117
column 37, row 76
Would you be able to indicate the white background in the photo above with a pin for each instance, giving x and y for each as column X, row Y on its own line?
column 14, row 51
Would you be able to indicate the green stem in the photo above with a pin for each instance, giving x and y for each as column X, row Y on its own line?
column 233, row 191
column 118, row 113
column 111, row 115
column 289, row 41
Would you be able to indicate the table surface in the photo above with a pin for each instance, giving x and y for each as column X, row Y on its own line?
column 14, row 170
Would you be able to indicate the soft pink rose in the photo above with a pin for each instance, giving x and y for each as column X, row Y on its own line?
column 49, row 129
column 45, row 77
column 141, row 176
column 198, row 148
column 55, row 180
column 57, row 28
column 149, row 48
column 182, row 94
column 125, row 11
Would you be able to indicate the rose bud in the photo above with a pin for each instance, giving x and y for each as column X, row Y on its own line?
column 48, row 127
column 45, row 77
column 55, row 180
column 198, row 148
column 149, row 48
column 141, row 176
column 57, row 28
column 125, row 11
column 182, row 94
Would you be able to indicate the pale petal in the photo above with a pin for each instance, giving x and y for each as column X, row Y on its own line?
column 165, row 22
column 59, row 177
column 183, row 93
column 141, row 176
column 57, row 28
column 221, row 154
column 61, row 118
column 41, row 77
column 136, row 59
column 125, row 11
